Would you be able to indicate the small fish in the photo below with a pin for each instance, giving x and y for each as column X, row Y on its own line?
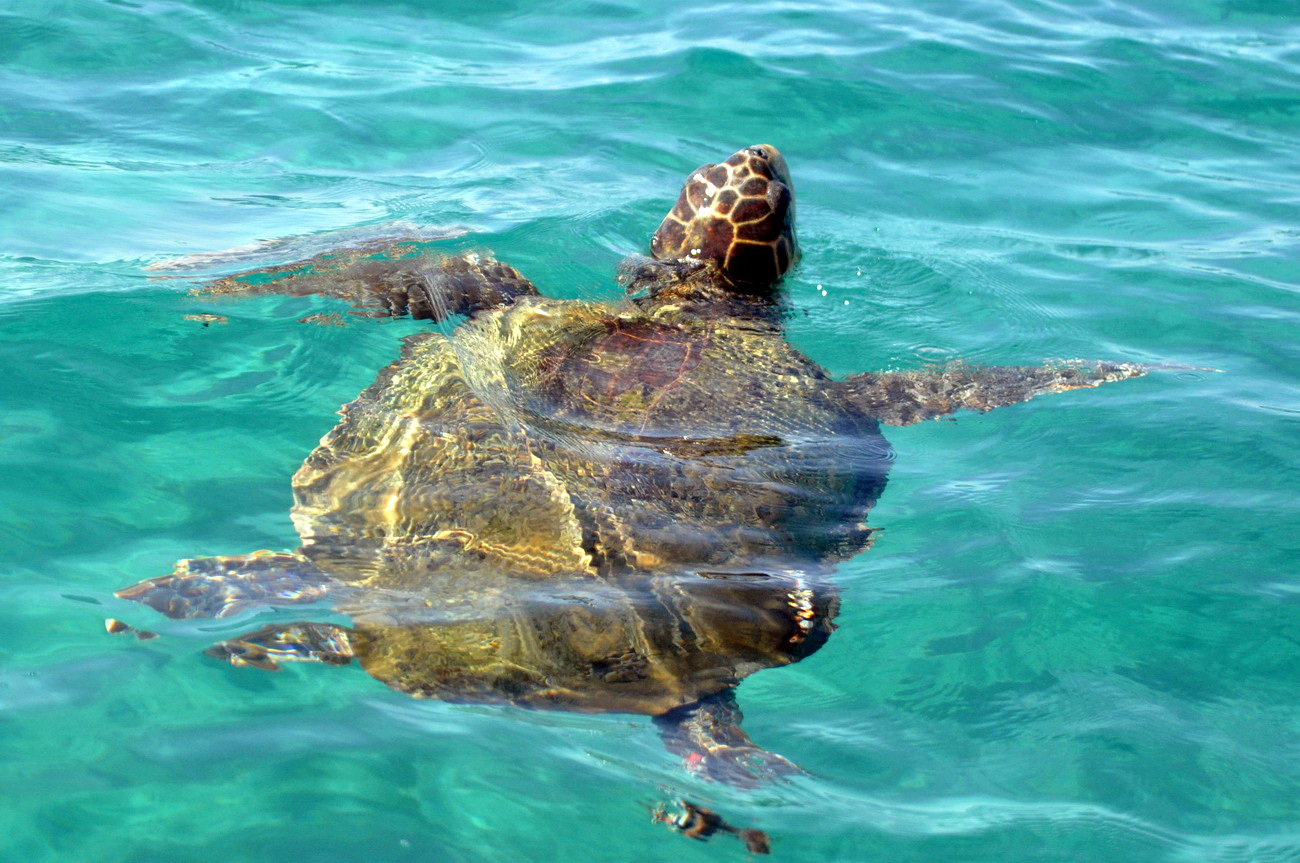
column 208, row 320
column 700, row 823
column 333, row 319
column 117, row 627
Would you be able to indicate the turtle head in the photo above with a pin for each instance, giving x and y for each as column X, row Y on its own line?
column 737, row 215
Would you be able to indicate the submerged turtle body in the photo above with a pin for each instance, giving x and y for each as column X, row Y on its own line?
column 621, row 406
column 487, row 478
column 476, row 481
column 623, row 506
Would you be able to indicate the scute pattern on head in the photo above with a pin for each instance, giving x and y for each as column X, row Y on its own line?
column 737, row 215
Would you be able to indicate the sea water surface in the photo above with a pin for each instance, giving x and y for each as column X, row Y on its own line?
column 1077, row 636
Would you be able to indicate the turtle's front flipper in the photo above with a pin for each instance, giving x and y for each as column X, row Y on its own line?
column 222, row 586
column 708, row 737
column 390, row 280
column 903, row 398
column 267, row 647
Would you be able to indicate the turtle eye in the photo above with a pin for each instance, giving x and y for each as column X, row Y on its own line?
column 761, row 152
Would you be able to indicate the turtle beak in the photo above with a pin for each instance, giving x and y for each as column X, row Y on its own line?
column 776, row 161
column 781, row 172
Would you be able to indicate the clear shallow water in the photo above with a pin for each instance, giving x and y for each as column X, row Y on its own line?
column 1077, row 636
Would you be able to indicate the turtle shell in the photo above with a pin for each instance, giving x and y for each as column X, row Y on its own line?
column 633, row 644
column 556, row 437
column 551, row 506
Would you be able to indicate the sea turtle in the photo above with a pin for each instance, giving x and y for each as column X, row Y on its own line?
column 621, row 506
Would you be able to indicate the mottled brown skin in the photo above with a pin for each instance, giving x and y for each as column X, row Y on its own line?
column 737, row 214
column 587, row 506
column 387, row 279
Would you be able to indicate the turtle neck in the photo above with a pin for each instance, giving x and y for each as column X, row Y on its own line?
column 696, row 288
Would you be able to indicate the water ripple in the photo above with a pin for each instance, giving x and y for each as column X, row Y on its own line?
column 1072, row 641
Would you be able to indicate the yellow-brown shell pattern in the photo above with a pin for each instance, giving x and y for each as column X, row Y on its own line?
column 737, row 215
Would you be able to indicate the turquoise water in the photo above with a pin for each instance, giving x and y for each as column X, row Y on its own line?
column 1077, row 637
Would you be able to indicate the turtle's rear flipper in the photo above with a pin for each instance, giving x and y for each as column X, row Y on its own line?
column 222, row 586
column 708, row 737
column 903, row 398
column 267, row 647
column 390, row 280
